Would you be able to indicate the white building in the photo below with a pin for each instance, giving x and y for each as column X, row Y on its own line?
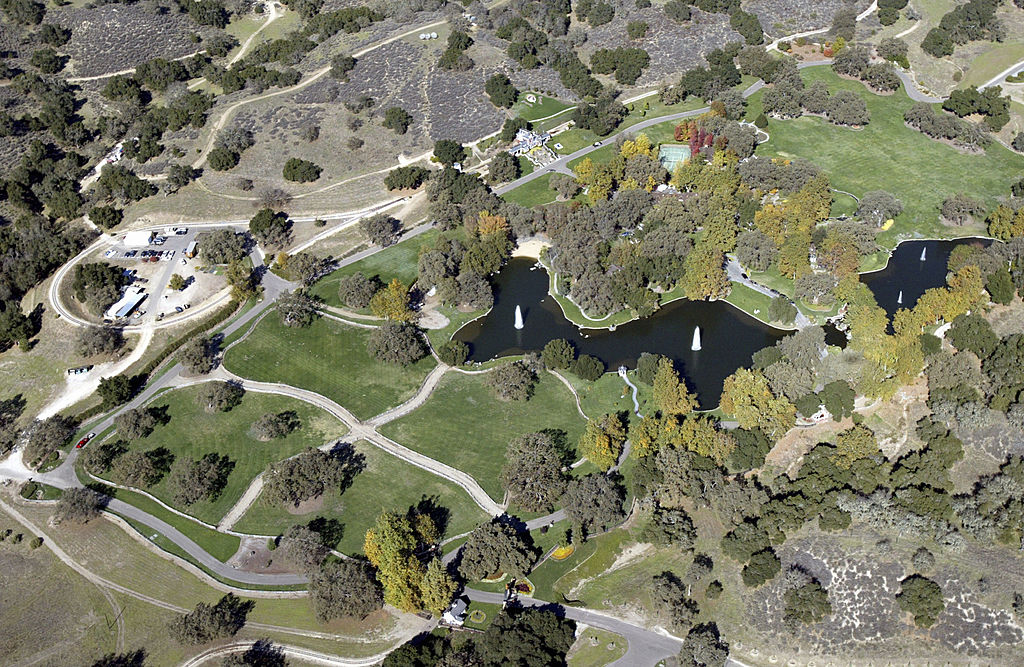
column 456, row 614
column 133, row 296
column 135, row 239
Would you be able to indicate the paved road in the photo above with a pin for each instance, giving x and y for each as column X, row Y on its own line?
column 645, row 647
column 998, row 78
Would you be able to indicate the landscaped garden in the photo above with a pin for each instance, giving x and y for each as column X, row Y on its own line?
column 464, row 425
column 385, row 483
column 193, row 432
column 329, row 358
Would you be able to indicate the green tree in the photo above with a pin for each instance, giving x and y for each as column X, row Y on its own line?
column 501, row 91
column 397, row 119
column 496, row 547
column 922, row 597
column 449, row 152
column 301, row 171
column 806, row 604
column 558, row 354
column 747, row 396
column 437, row 588
column 177, row 282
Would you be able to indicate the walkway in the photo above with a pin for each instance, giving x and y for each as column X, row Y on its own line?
column 736, row 274
column 999, row 78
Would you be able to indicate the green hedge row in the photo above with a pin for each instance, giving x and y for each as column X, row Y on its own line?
column 143, row 376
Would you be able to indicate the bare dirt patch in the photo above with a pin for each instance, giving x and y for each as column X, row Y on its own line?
column 306, row 506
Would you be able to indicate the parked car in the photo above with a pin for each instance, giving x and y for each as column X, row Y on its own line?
column 110, row 253
column 131, row 253
column 178, row 309
column 160, row 240
column 84, row 441
column 181, row 231
column 187, row 306
column 597, row 143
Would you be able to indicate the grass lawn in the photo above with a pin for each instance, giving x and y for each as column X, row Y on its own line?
column 594, row 648
column 456, row 320
column 887, row 155
column 463, row 425
column 193, row 432
column 385, row 484
column 329, row 358
column 535, row 193
column 991, row 62
column 398, row 261
column 749, row 300
column 544, row 107
column 605, row 395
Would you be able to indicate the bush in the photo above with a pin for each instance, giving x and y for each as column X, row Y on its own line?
column 78, row 506
column 381, row 229
column 36, row 542
column 300, row 171
column 222, row 159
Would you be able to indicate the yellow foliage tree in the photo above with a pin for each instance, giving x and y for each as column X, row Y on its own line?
column 670, row 393
column 747, row 396
column 392, row 302
column 601, row 442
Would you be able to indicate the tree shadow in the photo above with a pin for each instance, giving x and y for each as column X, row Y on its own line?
column 352, row 463
column 161, row 458
column 560, row 439
column 330, row 530
column 161, row 414
column 439, row 514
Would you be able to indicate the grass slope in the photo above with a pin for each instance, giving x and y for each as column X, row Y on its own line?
column 463, row 425
column 398, row 261
column 193, row 432
column 329, row 358
column 888, row 155
column 385, row 484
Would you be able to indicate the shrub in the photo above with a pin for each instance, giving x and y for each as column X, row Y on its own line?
column 301, row 171
column 395, row 343
column 588, row 367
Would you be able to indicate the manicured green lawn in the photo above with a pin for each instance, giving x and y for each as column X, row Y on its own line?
column 535, row 193
column 749, row 300
column 329, row 358
column 887, row 155
column 464, row 425
column 398, row 261
column 385, row 484
column 595, row 648
column 193, row 432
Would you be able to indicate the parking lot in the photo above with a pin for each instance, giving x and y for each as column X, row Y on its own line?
column 151, row 266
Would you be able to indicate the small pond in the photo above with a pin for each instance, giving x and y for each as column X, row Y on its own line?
column 909, row 272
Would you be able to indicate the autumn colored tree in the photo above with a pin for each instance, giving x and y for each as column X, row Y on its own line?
column 392, row 302
column 747, row 396
column 602, row 440
column 392, row 545
column 704, row 276
column 670, row 393
column 857, row 442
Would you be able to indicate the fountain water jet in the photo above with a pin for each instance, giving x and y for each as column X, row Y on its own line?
column 923, row 251
column 899, row 299
column 695, row 345
column 519, row 318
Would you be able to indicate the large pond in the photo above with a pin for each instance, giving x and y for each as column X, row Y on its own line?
column 914, row 267
column 729, row 337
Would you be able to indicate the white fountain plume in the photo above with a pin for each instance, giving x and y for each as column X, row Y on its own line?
column 899, row 299
column 695, row 345
column 519, row 318
column 923, row 251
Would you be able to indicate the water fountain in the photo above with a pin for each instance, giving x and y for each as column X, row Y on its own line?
column 695, row 345
column 519, row 318
column 923, row 251
column 899, row 299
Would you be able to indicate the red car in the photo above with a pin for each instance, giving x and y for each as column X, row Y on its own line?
column 85, row 440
